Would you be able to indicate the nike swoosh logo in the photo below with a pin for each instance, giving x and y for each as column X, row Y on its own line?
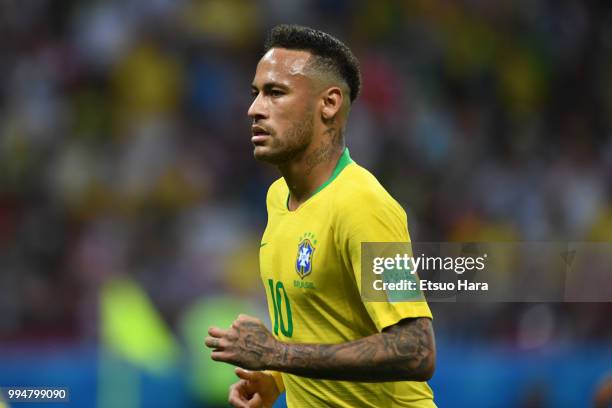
column 263, row 244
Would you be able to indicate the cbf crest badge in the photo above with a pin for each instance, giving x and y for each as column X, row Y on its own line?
column 306, row 248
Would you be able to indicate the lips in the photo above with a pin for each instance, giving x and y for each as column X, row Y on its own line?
column 259, row 131
column 259, row 134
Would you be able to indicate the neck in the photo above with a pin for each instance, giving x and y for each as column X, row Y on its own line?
column 308, row 171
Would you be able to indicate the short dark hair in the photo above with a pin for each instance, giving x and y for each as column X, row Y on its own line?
column 332, row 54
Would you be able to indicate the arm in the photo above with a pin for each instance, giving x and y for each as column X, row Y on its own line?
column 404, row 351
column 401, row 352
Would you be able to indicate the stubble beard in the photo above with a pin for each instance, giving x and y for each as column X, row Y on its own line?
column 293, row 143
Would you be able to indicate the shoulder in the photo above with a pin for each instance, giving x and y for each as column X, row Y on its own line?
column 364, row 211
column 358, row 189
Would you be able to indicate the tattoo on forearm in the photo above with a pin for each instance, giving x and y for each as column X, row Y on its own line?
column 405, row 351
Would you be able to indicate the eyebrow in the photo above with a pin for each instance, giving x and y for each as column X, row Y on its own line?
column 269, row 85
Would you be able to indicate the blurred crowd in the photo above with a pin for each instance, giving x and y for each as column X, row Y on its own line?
column 125, row 152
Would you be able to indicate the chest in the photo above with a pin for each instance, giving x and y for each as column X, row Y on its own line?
column 300, row 251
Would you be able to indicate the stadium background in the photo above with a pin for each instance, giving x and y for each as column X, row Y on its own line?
column 131, row 207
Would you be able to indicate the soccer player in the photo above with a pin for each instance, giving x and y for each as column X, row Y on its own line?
column 328, row 348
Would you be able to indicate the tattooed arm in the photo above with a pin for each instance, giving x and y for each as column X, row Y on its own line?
column 404, row 351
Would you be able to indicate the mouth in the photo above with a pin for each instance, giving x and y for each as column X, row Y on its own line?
column 260, row 134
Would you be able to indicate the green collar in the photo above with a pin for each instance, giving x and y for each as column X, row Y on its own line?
column 343, row 161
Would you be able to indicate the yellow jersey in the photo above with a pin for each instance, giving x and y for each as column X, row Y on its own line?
column 310, row 264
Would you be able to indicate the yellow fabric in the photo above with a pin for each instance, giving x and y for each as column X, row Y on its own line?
column 278, row 379
column 325, row 305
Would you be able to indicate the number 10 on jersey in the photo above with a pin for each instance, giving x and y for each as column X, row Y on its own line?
column 282, row 308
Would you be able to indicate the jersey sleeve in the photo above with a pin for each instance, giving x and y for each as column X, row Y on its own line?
column 278, row 379
column 373, row 216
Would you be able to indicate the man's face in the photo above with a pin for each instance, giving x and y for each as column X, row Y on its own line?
column 282, row 111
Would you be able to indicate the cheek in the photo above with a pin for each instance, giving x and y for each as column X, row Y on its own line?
column 290, row 113
column 285, row 110
column 292, row 106
column 284, row 119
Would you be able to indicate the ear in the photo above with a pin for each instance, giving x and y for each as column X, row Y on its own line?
column 332, row 101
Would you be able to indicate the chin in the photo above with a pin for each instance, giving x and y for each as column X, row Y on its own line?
column 266, row 155
column 262, row 154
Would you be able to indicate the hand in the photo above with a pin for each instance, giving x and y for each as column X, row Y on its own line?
column 256, row 389
column 247, row 344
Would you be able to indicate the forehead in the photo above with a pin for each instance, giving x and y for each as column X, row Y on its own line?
column 280, row 65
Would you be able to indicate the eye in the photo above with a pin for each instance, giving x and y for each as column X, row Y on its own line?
column 276, row 93
column 254, row 93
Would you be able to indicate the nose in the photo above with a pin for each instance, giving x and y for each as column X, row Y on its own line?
column 257, row 109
